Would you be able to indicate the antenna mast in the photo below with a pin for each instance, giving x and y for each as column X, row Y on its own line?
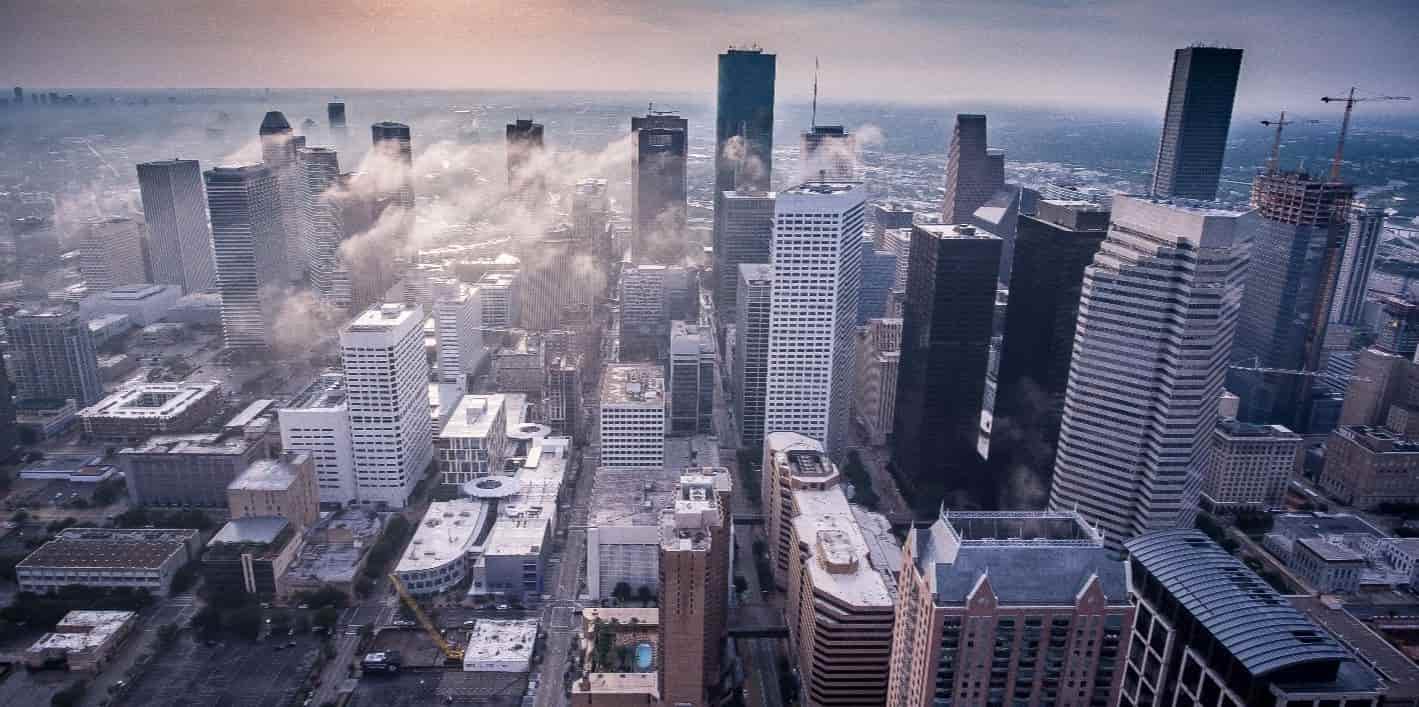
column 813, row 122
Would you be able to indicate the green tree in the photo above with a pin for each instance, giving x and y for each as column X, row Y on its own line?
column 327, row 616
column 621, row 592
column 244, row 622
column 644, row 595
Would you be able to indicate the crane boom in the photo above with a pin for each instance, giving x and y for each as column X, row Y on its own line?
column 451, row 653
column 1350, row 101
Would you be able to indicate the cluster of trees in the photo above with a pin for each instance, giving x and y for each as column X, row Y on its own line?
column 384, row 552
column 143, row 517
column 29, row 610
column 863, row 493
column 623, row 593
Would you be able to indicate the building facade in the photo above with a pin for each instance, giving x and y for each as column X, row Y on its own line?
column 879, row 353
column 751, row 351
column 191, row 470
column 98, row 558
column 1250, row 467
column 473, row 443
column 1196, row 119
column 633, row 415
column 694, row 588
column 53, row 357
column 179, row 237
column 111, row 253
column 974, row 172
column 285, row 488
column 249, row 250
column 317, row 423
column 658, row 168
column 1367, row 466
column 827, row 153
column 691, row 379
column 1365, row 224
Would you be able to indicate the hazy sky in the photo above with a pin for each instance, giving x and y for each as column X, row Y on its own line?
column 1106, row 53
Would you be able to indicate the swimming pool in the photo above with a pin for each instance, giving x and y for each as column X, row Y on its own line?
column 644, row 654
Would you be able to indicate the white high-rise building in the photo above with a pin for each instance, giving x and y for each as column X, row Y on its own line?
column 387, row 388
column 827, row 153
column 317, row 423
column 500, row 295
column 1156, row 318
column 1366, row 224
column 249, row 247
column 458, row 330
column 633, row 416
column 816, row 256
column 111, row 253
column 321, row 230
column 179, row 239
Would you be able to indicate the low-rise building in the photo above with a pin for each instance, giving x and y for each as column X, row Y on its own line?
column 1250, row 466
column 512, row 560
column 473, row 443
column 1337, row 553
column 74, row 468
column 191, row 470
column 633, row 414
column 144, row 304
column 83, row 640
column 1328, row 567
column 500, row 646
column 1366, row 466
column 518, row 366
column 148, row 409
column 317, row 422
column 282, row 487
column 335, row 552
column 103, row 558
column 250, row 555
column 437, row 558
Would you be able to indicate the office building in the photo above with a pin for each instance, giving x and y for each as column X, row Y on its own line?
column 141, row 304
column 141, row 411
column 879, row 354
column 817, row 269
column 645, row 319
column 335, row 116
column 694, row 587
column 500, row 296
column 137, row 559
column 285, row 488
column 1365, row 224
column 386, row 384
column 743, row 227
column 591, row 209
column 827, row 153
column 111, row 253
column 1024, row 608
column 321, row 231
column 562, row 404
column 278, row 152
column 1195, row 122
column 1072, row 191
column 187, row 470
column 473, row 443
column 691, row 379
column 459, row 331
column 526, row 182
column 179, row 238
column 53, row 357
column 633, row 415
column 1208, row 631
column 879, row 275
column 1145, row 375
column 9, row 428
column 393, row 143
column 1250, row 466
column 658, row 208
column 1296, row 255
column 84, row 641
column 249, row 249
column 317, row 423
column 1053, row 247
column 947, row 322
column 751, row 351
column 1368, row 466
column 249, row 555
column 974, row 172
column 744, row 121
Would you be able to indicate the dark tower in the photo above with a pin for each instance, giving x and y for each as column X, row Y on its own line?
column 658, row 186
column 1199, row 112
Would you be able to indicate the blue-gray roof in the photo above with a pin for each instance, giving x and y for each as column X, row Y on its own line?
column 1246, row 615
column 1031, row 575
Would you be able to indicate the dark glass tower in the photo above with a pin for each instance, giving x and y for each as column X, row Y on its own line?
column 335, row 113
column 946, row 330
column 1052, row 248
column 658, row 186
column 745, row 110
column 524, row 141
column 1195, row 125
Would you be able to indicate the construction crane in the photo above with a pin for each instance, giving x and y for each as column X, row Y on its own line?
column 1255, row 367
column 1350, row 102
column 451, row 653
column 1279, row 123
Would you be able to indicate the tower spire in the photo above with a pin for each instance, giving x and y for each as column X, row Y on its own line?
column 813, row 122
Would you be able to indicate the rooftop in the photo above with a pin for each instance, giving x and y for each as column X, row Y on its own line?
column 690, row 338
column 838, row 561
column 327, row 391
column 961, row 231
column 635, row 496
column 619, row 683
column 494, row 640
column 1330, row 552
column 524, row 518
column 1400, row 674
column 110, row 549
column 1314, row 525
column 823, row 188
column 269, row 474
column 647, row 618
column 206, row 443
column 83, row 630
column 474, row 416
column 152, row 400
column 255, row 530
column 135, row 292
column 633, row 383
column 383, row 317
column 1249, row 618
column 1235, row 428
column 446, row 531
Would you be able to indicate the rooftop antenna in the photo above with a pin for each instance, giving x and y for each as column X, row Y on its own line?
column 813, row 122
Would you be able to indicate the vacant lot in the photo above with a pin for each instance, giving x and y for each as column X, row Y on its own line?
column 232, row 673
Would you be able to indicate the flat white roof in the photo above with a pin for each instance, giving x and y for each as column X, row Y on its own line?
column 474, row 415
column 267, row 475
column 634, row 383
column 492, row 642
column 82, row 630
column 446, row 531
column 839, row 561
column 523, row 519
column 152, row 400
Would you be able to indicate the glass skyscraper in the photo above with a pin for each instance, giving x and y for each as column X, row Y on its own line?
column 1199, row 112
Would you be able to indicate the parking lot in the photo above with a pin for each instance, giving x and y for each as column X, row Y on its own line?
column 232, row 672
column 447, row 687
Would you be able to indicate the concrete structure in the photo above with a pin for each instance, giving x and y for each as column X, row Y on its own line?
column 691, row 380
column 53, row 357
column 134, row 414
column 813, row 309
column 974, row 172
column 504, row 646
column 879, row 352
column 827, row 153
column 142, row 304
column 108, row 328
column 249, row 250
column 694, row 582
column 321, row 230
column 316, row 422
column 98, row 558
column 1209, row 631
column 645, row 320
column 1195, row 122
column 335, row 552
column 1073, row 191
column 791, row 460
column 1338, row 552
column 386, row 384
column 179, row 237
column 473, row 443
column 633, row 416
column 190, row 470
column 250, row 555
column 1365, row 224
column 660, row 147
column 1141, row 404
column 1329, row 568
column 1367, row 466
column 744, row 227
column 83, row 641
column 284, row 488
column 111, row 253
column 562, row 401
column 1250, row 466
column 1024, row 607
column 512, row 560
column 437, row 558
column 519, row 364
column 82, row 468
column 458, row 322
column 500, row 295
column 751, row 351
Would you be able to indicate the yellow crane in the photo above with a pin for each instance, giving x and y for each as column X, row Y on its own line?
column 451, row 653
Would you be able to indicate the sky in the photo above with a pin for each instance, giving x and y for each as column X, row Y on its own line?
column 1107, row 54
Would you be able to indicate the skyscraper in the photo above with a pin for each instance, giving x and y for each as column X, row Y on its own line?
column 1366, row 224
column 827, row 153
column 1296, row 255
column 1195, row 123
column 387, row 380
column 111, row 253
column 879, row 274
column 393, row 142
column 1054, row 246
column 694, row 581
column 745, row 110
column 974, row 172
column 879, row 357
column 321, row 231
column 525, row 182
column 1156, row 316
column 278, row 153
column 53, row 357
column 743, row 226
column 816, row 258
column 335, row 113
column 751, row 351
column 9, row 431
column 661, row 142
column 179, row 239
column 249, row 249
column 691, row 379
column 947, row 323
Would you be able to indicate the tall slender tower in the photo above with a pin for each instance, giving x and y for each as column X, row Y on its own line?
column 974, row 172
column 743, row 152
column 392, row 140
column 751, row 358
column 694, row 581
column 525, row 182
column 817, row 270
column 278, row 152
column 111, row 253
column 1366, row 224
column 1195, row 124
column 661, row 142
column 249, row 249
column 1156, row 317
column 179, row 239
column 335, row 113
column 321, row 231
column 743, row 226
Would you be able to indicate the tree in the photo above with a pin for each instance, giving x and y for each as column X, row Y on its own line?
column 208, row 621
column 327, row 616
column 20, row 516
column 621, row 592
column 644, row 595
column 244, row 622
column 70, row 696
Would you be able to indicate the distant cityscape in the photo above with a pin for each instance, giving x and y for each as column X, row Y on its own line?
column 544, row 400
